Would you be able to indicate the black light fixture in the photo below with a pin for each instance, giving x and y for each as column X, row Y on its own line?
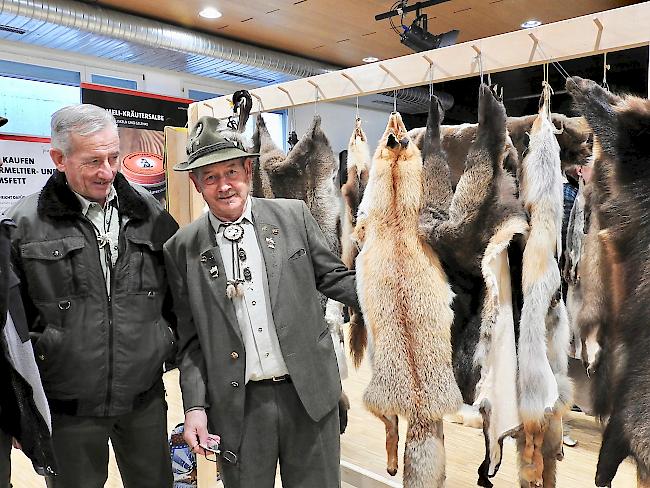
column 3, row 120
column 417, row 35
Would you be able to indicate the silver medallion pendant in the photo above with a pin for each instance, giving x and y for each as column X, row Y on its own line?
column 248, row 276
column 233, row 232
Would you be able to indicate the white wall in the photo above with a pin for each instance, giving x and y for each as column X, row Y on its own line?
column 337, row 118
column 338, row 122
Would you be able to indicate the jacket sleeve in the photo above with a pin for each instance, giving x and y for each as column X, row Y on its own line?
column 333, row 279
column 190, row 357
column 31, row 313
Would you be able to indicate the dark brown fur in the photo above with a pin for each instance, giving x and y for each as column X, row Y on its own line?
column 621, row 178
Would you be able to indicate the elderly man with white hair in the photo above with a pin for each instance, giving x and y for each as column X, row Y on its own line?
column 88, row 249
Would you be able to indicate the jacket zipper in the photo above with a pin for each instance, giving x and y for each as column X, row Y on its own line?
column 109, row 308
column 111, row 329
column 141, row 269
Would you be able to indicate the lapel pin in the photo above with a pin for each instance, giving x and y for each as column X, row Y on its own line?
column 270, row 242
column 275, row 232
column 264, row 228
column 214, row 271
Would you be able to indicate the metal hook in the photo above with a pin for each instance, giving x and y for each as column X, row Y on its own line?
column 430, row 61
column 606, row 68
column 358, row 116
column 395, row 101
column 315, row 94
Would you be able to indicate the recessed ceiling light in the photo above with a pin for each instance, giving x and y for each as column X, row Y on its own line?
column 210, row 13
column 529, row 24
column 370, row 59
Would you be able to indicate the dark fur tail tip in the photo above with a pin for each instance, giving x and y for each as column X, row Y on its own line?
column 392, row 472
column 483, row 479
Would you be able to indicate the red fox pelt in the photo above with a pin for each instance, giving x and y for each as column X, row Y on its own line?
column 406, row 300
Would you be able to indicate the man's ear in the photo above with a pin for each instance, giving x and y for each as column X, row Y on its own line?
column 195, row 180
column 58, row 157
column 248, row 168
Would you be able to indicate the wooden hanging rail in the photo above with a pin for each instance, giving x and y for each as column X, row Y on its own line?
column 611, row 30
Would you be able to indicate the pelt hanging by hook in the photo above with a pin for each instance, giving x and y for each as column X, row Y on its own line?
column 242, row 103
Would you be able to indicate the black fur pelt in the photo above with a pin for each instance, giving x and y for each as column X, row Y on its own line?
column 621, row 179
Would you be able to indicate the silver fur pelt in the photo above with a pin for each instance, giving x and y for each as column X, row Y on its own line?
column 270, row 157
column 544, row 390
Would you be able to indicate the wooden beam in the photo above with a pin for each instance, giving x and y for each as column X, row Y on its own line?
column 611, row 30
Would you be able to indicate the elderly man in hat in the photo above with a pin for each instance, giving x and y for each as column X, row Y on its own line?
column 257, row 362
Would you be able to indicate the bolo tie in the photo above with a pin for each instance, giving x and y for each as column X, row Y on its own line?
column 235, row 287
column 104, row 242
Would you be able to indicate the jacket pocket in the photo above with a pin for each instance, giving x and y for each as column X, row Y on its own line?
column 48, row 350
column 299, row 253
column 146, row 272
column 54, row 268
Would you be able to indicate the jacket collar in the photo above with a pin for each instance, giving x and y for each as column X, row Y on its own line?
column 58, row 202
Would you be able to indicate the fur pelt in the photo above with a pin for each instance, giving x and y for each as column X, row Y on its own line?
column 456, row 140
column 406, row 301
column 621, row 177
column 475, row 244
column 358, row 167
column 544, row 330
column 573, row 253
column 270, row 156
column 307, row 174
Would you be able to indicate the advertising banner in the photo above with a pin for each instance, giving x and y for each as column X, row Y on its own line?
column 141, row 119
column 26, row 166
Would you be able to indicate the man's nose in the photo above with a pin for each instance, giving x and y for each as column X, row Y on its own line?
column 105, row 171
column 223, row 185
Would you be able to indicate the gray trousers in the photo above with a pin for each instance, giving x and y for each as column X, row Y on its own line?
column 139, row 440
column 277, row 428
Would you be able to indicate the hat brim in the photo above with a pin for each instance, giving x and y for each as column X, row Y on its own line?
column 215, row 157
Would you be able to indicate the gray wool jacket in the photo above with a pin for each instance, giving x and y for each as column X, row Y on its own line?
column 212, row 358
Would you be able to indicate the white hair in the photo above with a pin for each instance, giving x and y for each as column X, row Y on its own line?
column 82, row 119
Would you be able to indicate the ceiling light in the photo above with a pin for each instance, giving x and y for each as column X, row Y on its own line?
column 529, row 24
column 210, row 13
column 370, row 59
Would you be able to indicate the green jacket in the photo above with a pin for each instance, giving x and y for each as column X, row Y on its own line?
column 97, row 356
column 212, row 359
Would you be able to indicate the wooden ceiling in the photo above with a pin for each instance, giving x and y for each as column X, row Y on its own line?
column 343, row 32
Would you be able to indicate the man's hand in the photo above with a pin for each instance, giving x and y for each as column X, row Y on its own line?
column 196, row 430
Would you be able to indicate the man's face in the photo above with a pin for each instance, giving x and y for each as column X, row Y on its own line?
column 91, row 164
column 225, row 187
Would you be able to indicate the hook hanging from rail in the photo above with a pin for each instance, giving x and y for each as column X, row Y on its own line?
column 606, row 68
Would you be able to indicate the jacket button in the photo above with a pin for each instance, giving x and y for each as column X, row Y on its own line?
column 234, row 384
column 56, row 253
column 41, row 357
column 234, row 355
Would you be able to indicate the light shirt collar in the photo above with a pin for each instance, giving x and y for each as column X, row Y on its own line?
column 246, row 215
column 85, row 203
